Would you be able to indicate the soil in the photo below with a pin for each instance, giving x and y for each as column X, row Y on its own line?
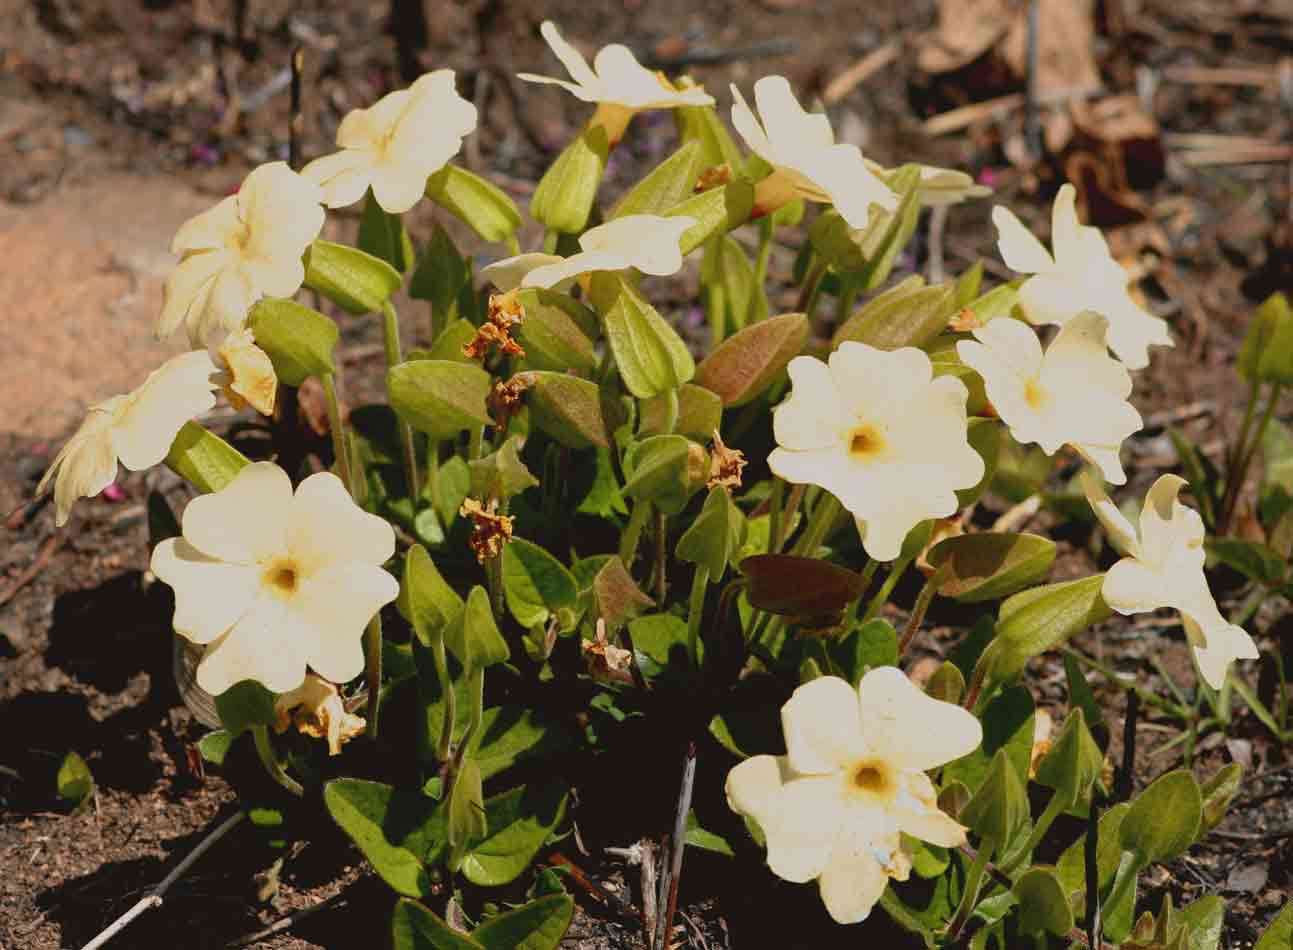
column 120, row 118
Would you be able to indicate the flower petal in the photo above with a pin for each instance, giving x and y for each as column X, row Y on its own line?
column 509, row 273
column 85, row 466
column 1119, row 530
column 565, row 271
column 188, row 288
column 1052, row 298
column 180, row 390
column 336, row 604
column 909, row 728
column 246, row 521
column 1079, row 354
column 802, row 828
column 917, row 813
column 1166, row 525
column 854, row 879
column 811, row 416
column 324, row 526
column 570, row 57
column 1216, row 645
column 876, row 384
column 210, row 230
column 268, row 644
column 820, row 722
column 1014, row 344
column 282, row 211
column 748, row 127
column 398, row 186
column 1019, row 247
column 1132, row 587
column 343, row 176
column 210, row 595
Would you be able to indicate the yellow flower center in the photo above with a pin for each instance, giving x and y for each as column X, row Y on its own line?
column 1034, row 394
column 874, row 778
column 866, row 442
column 282, row 577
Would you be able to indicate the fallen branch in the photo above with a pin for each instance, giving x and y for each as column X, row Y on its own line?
column 957, row 119
column 32, row 571
column 860, row 72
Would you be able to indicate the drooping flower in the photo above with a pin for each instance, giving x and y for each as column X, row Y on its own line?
column 647, row 242
column 395, row 145
column 1074, row 393
column 617, row 82
column 874, row 428
column 317, row 710
column 247, row 247
column 136, row 429
column 806, row 160
column 852, row 779
column 1082, row 275
column 248, row 377
column 272, row 581
column 1163, row 567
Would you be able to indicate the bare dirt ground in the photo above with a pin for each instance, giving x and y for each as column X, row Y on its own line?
column 120, row 119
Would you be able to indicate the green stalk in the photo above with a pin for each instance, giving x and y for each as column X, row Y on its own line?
column 476, row 686
column 896, row 570
column 812, row 288
column 1171, row 708
column 695, row 610
column 513, row 245
column 475, row 443
column 776, row 501
column 1054, row 808
column 1241, row 442
column 269, row 759
column 919, row 609
column 819, row 525
column 1235, row 484
column 661, row 556
column 441, row 659
column 329, row 381
column 716, row 310
column 373, row 670
column 394, row 356
column 633, row 531
column 1124, row 880
column 970, row 893
column 550, row 239
column 765, row 252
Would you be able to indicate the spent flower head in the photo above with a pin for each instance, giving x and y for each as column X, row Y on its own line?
column 806, row 160
column 1163, row 567
column 490, row 530
column 247, row 377
column 272, row 581
column 877, row 430
column 1073, row 393
column 315, row 707
column 505, row 313
column 725, row 465
column 617, row 82
column 1082, row 275
column 136, row 429
column 395, row 145
column 248, row 246
column 852, row 780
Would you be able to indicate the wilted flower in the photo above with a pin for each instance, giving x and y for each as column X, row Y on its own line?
column 805, row 158
column 505, row 312
column 317, row 710
column 248, row 377
column 647, row 242
column 490, row 530
column 395, row 145
column 875, row 429
column 270, row 581
column 1073, row 393
column 247, row 247
column 852, row 779
column 725, row 465
column 617, row 82
column 1082, row 275
column 1163, row 567
column 136, row 429
column 605, row 659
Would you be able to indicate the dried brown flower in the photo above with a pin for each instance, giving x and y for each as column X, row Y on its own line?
column 725, row 465
column 504, row 400
column 505, row 312
column 491, row 530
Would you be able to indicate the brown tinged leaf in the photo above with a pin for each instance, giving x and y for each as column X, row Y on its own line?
column 749, row 361
column 800, row 587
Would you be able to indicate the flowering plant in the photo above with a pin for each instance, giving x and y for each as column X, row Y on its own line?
column 562, row 520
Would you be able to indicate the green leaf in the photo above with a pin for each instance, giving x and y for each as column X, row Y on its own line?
column 698, row 413
column 555, row 332
column 1071, row 867
column 698, row 837
column 999, row 807
column 243, row 705
column 538, row 925
column 569, row 409
column 414, row 927
column 616, row 598
column 1037, row 620
column 439, row 397
column 518, row 822
column 989, row 565
column 440, row 275
column 473, row 637
column 717, row 211
column 1043, row 904
column 649, row 354
column 203, row 459
column 383, row 235
column 997, row 302
column 512, row 734
column 664, row 186
column 745, row 364
column 1164, row 819
column 1081, row 695
column 1273, row 344
column 947, row 684
column 449, row 344
column 906, row 315
column 1218, row 792
column 565, row 195
column 465, row 811
column 725, row 266
column 834, row 241
column 703, row 125
column 214, row 746
column 1073, row 764
column 501, row 474
column 480, row 204
column 1007, row 725
column 454, row 485
column 299, row 341
column 1252, row 559
column 426, row 600
column 355, row 281
column 1279, row 934
column 968, row 285
column 658, row 636
column 74, row 782
column 661, row 470
column 395, row 829
column 535, row 584
column 984, row 437
column 887, row 233
column 1201, row 922
column 867, row 646
column 603, row 498
column 715, row 536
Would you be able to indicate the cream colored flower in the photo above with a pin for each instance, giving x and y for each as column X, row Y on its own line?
column 647, row 242
column 316, row 708
column 807, row 162
column 940, row 186
column 270, row 581
column 247, row 247
column 1081, row 276
column 1163, row 567
column 396, row 145
column 853, row 777
column 136, row 429
column 247, row 377
column 874, row 428
column 617, row 82
column 1074, row 393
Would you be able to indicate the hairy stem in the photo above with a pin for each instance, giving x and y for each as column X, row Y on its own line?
column 394, row 356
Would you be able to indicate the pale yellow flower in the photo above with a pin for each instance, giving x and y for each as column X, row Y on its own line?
column 940, row 186
column 877, row 430
column 806, row 160
column 617, row 82
column 1163, row 567
column 1082, row 275
column 647, row 242
column 136, row 429
column 248, row 246
column 270, row 581
column 852, row 779
column 394, row 146
column 316, row 708
column 1074, row 393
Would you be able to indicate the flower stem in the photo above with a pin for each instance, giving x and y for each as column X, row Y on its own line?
column 339, row 448
column 441, row 659
column 661, row 556
column 776, row 505
column 896, row 570
column 394, row 356
column 1054, row 808
column 695, row 611
column 921, row 607
column 633, row 531
column 373, row 671
column 765, row 252
column 819, row 525
column 269, row 759
column 1235, row 481
column 550, row 239
column 970, row 891
column 812, row 289
column 716, row 310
